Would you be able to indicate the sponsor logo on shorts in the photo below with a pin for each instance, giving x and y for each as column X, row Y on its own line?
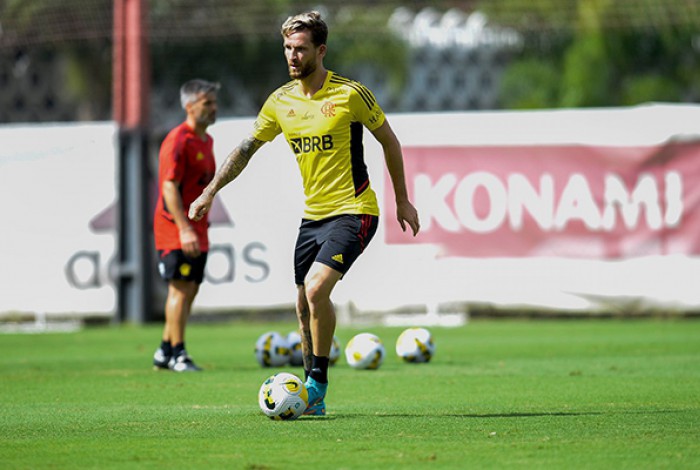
column 338, row 258
column 185, row 269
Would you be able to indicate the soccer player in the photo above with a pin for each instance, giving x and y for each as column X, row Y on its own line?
column 322, row 116
column 186, row 166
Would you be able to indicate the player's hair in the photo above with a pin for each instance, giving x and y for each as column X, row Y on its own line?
column 307, row 21
column 190, row 91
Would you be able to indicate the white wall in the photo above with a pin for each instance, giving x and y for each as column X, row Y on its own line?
column 55, row 179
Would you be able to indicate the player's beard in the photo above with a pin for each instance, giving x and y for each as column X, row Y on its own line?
column 207, row 120
column 303, row 71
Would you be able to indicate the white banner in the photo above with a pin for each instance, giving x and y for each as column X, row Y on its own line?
column 57, row 181
column 53, row 179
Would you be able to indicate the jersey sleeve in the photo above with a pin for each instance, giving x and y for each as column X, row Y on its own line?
column 172, row 159
column 365, row 108
column 266, row 127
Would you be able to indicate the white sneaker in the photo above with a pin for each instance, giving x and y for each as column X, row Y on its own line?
column 183, row 363
column 160, row 360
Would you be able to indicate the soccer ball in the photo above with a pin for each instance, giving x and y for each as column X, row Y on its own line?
column 415, row 345
column 283, row 397
column 335, row 351
column 365, row 351
column 272, row 350
column 296, row 357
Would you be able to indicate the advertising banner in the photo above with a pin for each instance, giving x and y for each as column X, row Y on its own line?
column 556, row 200
column 569, row 210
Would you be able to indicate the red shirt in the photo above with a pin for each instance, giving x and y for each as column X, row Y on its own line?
column 188, row 160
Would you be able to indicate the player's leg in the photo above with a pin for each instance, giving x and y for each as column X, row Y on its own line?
column 167, row 266
column 320, row 282
column 319, row 285
column 305, row 252
column 307, row 247
column 162, row 356
column 178, row 305
column 342, row 240
column 302, row 310
column 184, row 276
column 303, row 315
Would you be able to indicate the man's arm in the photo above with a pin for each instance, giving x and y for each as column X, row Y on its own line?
column 173, row 202
column 405, row 212
column 234, row 164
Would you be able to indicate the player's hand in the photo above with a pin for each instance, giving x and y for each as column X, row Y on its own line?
column 407, row 214
column 189, row 242
column 199, row 207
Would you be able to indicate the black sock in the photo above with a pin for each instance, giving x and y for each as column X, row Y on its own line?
column 166, row 348
column 319, row 369
column 306, row 374
column 178, row 349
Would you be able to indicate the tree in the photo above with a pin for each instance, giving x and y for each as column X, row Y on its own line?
column 612, row 53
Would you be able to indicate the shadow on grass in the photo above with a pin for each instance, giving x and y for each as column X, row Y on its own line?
column 540, row 414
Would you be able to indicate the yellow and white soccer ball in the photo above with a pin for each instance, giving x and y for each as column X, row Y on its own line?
column 415, row 345
column 283, row 397
column 335, row 352
column 296, row 357
column 272, row 349
column 365, row 351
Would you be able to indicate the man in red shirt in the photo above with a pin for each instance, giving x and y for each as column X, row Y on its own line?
column 186, row 166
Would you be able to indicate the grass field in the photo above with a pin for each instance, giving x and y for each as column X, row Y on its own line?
column 498, row 394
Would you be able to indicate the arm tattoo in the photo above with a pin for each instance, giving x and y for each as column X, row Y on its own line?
column 237, row 160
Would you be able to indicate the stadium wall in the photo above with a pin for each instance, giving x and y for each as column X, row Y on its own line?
column 575, row 211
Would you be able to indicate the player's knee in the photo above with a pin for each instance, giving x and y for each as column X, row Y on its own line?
column 183, row 290
column 317, row 292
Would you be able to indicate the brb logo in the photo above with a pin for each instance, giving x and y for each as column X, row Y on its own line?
column 308, row 144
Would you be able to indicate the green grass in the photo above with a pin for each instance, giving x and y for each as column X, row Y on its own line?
column 498, row 394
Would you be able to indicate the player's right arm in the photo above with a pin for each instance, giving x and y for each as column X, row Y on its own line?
column 189, row 242
column 234, row 164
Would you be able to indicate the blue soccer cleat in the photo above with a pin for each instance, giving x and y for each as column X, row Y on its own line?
column 319, row 409
column 316, row 391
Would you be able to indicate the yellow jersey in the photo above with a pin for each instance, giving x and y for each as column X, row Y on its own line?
column 325, row 133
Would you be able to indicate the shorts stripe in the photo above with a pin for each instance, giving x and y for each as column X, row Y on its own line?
column 366, row 222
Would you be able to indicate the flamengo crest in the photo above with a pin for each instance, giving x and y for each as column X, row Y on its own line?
column 328, row 109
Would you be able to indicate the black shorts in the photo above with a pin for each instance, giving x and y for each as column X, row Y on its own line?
column 336, row 242
column 174, row 265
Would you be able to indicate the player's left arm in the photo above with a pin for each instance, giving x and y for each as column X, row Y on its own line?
column 405, row 212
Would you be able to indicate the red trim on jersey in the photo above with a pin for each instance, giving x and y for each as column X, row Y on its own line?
column 362, row 188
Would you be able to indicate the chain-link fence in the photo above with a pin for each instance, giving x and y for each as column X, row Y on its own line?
column 55, row 57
